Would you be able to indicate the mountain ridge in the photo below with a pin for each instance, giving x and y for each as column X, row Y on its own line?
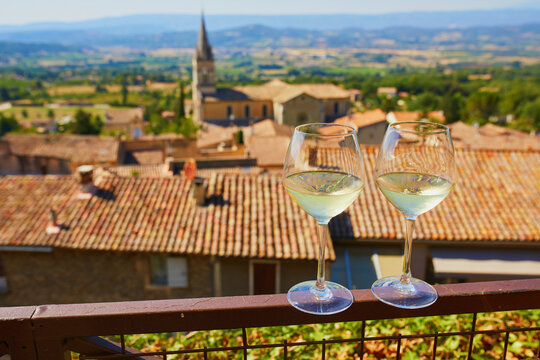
column 159, row 23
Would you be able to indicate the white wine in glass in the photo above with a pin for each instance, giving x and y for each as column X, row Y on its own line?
column 415, row 171
column 324, row 174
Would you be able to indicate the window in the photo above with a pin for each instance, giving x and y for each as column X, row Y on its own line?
column 302, row 118
column 336, row 108
column 264, row 277
column 168, row 271
column 229, row 111
column 3, row 279
column 265, row 111
column 204, row 75
column 247, row 111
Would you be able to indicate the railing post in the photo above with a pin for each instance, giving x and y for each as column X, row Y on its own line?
column 16, row 332
column 52, row 349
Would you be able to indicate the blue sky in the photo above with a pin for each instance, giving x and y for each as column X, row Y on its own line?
column 28, row 11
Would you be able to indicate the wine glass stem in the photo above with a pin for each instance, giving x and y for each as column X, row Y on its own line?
column 406, row 275
column 323, row 234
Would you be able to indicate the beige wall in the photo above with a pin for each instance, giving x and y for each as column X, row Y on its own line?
column 127, row 128
column 33, row 165
column 372, row 134
column 235, row 275
column 343, row 106
column 71, row 276
column 300, row 106
column 218, row 110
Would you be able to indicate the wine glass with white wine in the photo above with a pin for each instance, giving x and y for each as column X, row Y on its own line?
column 415, row 171
column 323, row 173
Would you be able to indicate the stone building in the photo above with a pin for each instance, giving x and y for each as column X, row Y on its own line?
column 242, row 105
column 128, row 122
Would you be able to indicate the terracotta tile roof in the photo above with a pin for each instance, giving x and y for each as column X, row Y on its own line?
column 268, row 127
column 123, row 116
column 406, row 115
column 279, row 91
column 248, row 216
column 361, row 119
column 80, row 149
column 495, row 200
column 491, row 136
column 268, row 150
column 153, row 170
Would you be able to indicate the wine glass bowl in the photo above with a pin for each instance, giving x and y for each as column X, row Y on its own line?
column 323, row 173
column 415, row 171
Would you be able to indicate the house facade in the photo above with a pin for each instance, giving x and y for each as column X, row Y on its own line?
column 131, row 238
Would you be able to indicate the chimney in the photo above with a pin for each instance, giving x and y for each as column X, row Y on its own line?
column 198, row 188
column 86, row 180
column 52, row 226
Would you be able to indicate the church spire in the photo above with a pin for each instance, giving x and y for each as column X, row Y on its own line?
column 203, row 49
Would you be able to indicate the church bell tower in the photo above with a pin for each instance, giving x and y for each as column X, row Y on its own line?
column 204, row 78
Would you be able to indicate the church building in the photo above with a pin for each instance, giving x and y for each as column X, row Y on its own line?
column 243, row 105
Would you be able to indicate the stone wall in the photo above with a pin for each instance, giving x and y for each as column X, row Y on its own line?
column 72, row 276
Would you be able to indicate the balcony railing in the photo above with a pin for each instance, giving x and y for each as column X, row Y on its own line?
column 49, row 332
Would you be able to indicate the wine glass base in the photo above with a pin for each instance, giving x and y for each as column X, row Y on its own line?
column 307, row 298
column 417, row 294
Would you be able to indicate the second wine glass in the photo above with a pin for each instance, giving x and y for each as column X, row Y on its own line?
column 415, row 171
column 323, row 173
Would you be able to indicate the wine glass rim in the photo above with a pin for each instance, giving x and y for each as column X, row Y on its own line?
column 350, row 129
column 438, row 128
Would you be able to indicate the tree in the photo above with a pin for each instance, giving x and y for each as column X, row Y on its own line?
column 86, row 124
column 531, row 112
column 24, row 113
column 452, row 105
column 8, row 124
column 50, row 114
column 125, row 90
column 4, row 94
column 481, row 105
column 180, row 107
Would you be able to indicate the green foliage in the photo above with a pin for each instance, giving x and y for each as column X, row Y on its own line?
column 24, row 113
column 452, row 107
column 85, row 124
column 240, row 137
column 180, row 112
column 481, row 105
column 531, row 113
column 427, row 101
column 8, row 124
column 521, row 344
column 124, row 90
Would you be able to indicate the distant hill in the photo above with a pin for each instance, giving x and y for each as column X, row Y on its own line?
column 504, row 38
column 14, row 49
column 160, row 23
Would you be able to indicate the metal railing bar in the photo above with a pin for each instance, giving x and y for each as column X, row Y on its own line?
column 164, row 354
column 435, row 346
column 398, row 353
column 285, row 349
column 323, row 349
column 319, row 342
column 205, row 354
column 363, row 335
column 244, row 343
column 506, row 344
column 123, row 343
column 471, row 337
